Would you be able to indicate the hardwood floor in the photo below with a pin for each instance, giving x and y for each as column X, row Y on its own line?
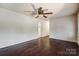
column 78, row 50
column 32, row 48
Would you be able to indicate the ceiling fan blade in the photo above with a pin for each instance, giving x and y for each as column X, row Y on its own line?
column 34, row 13
column 48, row 13
column 28, row 11
column 33, row 7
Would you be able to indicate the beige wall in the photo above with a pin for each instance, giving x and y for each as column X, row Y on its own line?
column 78, row 28
column 16, row 28
column 43, row 28
column 63, row 28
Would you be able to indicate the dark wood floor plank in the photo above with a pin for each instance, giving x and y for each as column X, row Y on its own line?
column 31, row 48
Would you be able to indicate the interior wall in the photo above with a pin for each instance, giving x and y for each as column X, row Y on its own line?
column 43, row 28
column 16, row 28
column 63, row 28
column 78, row 28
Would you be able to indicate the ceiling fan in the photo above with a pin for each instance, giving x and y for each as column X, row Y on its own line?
column 39, row 11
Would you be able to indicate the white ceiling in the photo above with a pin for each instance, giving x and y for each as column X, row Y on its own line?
column 59, row 9
column 17, row 7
